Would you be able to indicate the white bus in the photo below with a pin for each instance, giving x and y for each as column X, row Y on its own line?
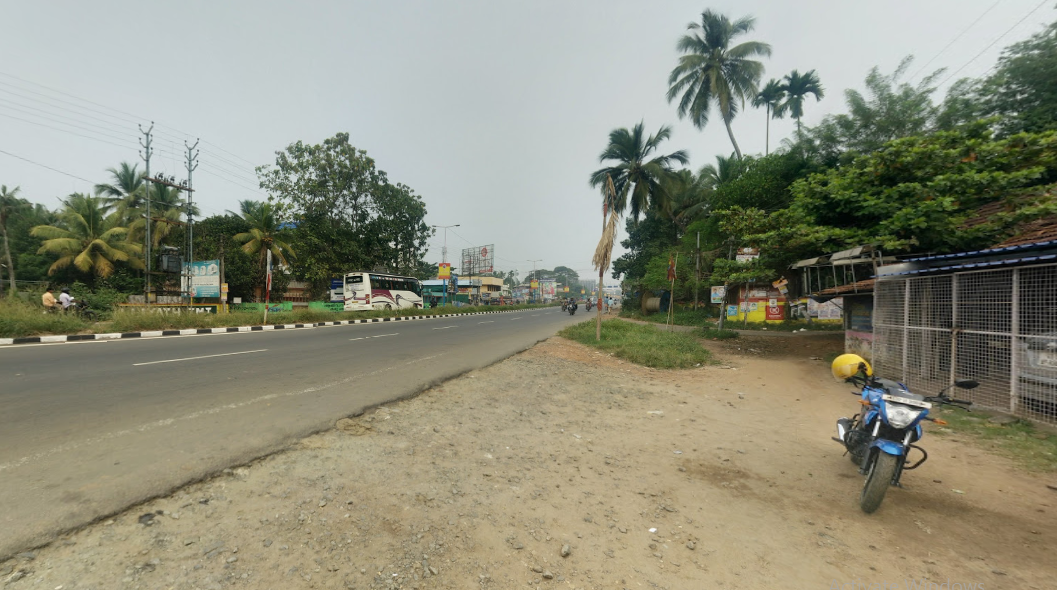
column 365, row 291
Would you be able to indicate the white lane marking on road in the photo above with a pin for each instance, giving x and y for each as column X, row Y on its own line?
column 488, row 322
column 512, row 319
column 444, row 328
column 194, row 358
column 535, row 315
column 378, row 336
column 214, row 410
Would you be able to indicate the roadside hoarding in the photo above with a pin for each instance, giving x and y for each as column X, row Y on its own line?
column 719, row 294
column 205, row 278
column 747, row 254
column 444, row 270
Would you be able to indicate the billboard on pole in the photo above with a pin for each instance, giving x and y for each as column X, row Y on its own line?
column 205, row 278
column 478, row 259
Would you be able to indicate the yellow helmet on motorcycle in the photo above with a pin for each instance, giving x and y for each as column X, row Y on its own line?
column 846, row 366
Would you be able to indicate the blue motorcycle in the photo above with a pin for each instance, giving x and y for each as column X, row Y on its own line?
column 880, row 439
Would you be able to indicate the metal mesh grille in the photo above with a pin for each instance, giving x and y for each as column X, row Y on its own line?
column 996, row 326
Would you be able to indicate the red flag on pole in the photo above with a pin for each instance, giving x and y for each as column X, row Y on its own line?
column 671, row 269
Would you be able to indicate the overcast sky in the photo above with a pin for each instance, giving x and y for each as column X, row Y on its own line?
column 494, row 111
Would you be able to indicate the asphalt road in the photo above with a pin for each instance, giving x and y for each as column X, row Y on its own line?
column 88, row 429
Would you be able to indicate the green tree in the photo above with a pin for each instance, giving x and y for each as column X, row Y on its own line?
column 1022, row 91
column 634, row 172
column 348, row 216
column 770, row 97
column 797, row 87
column 889, row 109
column 9, row 205
column 266, row 233
column 124, row 193
column 90, row 238
column 924, row 193
column 713, row 71
column 723, row 171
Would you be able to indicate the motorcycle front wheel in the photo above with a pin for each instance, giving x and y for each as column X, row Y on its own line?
column 877, row 482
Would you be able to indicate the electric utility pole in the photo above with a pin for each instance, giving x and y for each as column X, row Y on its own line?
column 535, row 276
column 192, row 165
column 146, row 154
column 444, row 258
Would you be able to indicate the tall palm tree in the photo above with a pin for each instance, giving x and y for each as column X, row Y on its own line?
column 265, row 231
column 711, row 71
column 9, row 203
column 770, row 97
column 688, row 197
column 125, row 190
column 634, row 171
column 797, row 86
column 90, row 239
column 167, row 209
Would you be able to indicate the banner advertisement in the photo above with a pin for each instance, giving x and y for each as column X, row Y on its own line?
column 478, row 260
column 719, row 294
column 205, row 279
column 444, row 270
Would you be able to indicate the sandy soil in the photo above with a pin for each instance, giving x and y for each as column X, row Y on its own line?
column 563, row 467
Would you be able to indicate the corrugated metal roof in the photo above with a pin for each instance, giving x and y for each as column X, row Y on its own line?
column 987, row 252
column 973, row 265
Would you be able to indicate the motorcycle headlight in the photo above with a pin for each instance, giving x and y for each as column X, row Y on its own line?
column 901, row 416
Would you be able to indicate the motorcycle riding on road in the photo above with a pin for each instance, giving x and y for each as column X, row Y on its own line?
column 571, row 306
column 879, row 440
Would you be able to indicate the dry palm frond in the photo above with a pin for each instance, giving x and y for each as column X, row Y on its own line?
column 604, row 251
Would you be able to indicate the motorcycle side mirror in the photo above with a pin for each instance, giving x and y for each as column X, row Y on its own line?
column 966, row 383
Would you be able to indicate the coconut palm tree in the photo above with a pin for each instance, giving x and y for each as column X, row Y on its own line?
column 89, row 238
column 770, row 97
column 124, row 192
column 634, row 171
column 265, row 231
column 167, row 209
column 9, row 203
column 723, row 171
column 688, row 197
column 797, row 86
column 713, row 71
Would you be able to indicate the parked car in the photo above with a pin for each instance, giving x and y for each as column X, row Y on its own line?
column 1038, row 368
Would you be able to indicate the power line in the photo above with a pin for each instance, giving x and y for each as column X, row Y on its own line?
column 135, row 118
column 97, row 129
column 952, row 42
column 997, row 39
column 45, row 166
column 63, row 130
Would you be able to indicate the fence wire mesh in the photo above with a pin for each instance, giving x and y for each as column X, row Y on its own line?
column 996, row 326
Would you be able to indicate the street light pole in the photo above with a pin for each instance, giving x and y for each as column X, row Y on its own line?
column 444, row 257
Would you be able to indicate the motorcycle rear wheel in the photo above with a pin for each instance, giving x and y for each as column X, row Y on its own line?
column 877, row 482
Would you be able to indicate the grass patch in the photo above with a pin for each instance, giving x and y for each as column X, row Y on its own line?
column 1031, row 447
column 19, row 318
column 717, row 334
column 681, row 317
column 642, row 345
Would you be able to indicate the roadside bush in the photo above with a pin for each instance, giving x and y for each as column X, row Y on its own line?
column 20, row 318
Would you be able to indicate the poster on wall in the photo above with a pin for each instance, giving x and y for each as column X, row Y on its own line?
column 776, row 312
column 830, row 310
column 719, row 294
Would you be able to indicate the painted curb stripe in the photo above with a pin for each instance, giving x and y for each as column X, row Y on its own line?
column 228, row 330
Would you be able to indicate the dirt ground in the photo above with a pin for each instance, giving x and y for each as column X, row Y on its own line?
column 563, row 467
